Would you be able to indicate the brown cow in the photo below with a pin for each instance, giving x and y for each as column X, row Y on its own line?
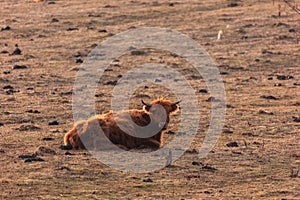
column 89, row 129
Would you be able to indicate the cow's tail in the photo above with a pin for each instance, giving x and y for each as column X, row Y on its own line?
column 68, row 135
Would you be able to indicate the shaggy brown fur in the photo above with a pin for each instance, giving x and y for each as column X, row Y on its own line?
column 89, row 129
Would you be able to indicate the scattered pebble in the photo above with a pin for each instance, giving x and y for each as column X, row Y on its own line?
column 19, row 67
column 283, row 77
column 197, row 163
column 54, row 20
column 36, row 159
column 33, row 111
column 79, row 61
column 4, row 52
column 148, row 180
column 8, row 87
column 277, row 84
column 28, row 128
column 232, row 144
column 102, row 31
column 6, row 28
column 111, row 83
column 203, row 91
column 17, row 51
column 268, row 97
column 53, row 123
column 72, row 29
column 233, row 4
column 210, row 168
column 265, row 112
column 68, row 153
column 47, row 139
column 42, row 151
column 26, row 156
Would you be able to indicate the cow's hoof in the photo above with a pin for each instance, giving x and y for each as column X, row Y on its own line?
column 66, row 147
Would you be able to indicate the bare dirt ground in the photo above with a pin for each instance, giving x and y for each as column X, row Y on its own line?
column 258, row 57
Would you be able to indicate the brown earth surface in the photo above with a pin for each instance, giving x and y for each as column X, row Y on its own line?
column 258, row 153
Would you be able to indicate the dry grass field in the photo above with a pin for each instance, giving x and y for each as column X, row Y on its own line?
column 258, row 55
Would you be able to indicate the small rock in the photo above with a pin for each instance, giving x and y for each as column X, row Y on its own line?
column 148, row 180
column 51, row 2
column 26, row 156
column 111, row 83
column 268, row 97
column 68, row 153
column 210, row 168
column 6, row 28
column 203, row 91
column 54, row 20
column 42, row 151
column 292, row 30
column 283, row 77
column 265, row 112
column 102, row 31
column 65, row 147
column 197, row 163
column 79, row 61
column 64, row 168
column 28, row 128
column 47, row 139
column 4, row 52
column 8, row 87
column 72, row 29
column 36, row 159
column 277, row 84
column 233, row 4
column 232, row 144
column 53, row 123
column 33, row 111
column 1, row 124
column 19, row 67
column 17, row 51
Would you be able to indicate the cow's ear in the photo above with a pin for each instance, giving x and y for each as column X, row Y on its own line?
column 174, row 108
column 146, row 108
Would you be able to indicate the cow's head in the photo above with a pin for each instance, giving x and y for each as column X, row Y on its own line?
column 160, row 111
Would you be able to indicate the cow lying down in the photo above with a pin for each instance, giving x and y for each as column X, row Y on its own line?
column 89, row 128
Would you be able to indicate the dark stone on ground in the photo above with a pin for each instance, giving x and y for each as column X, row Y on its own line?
column 53, row 123
column 232, row 144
